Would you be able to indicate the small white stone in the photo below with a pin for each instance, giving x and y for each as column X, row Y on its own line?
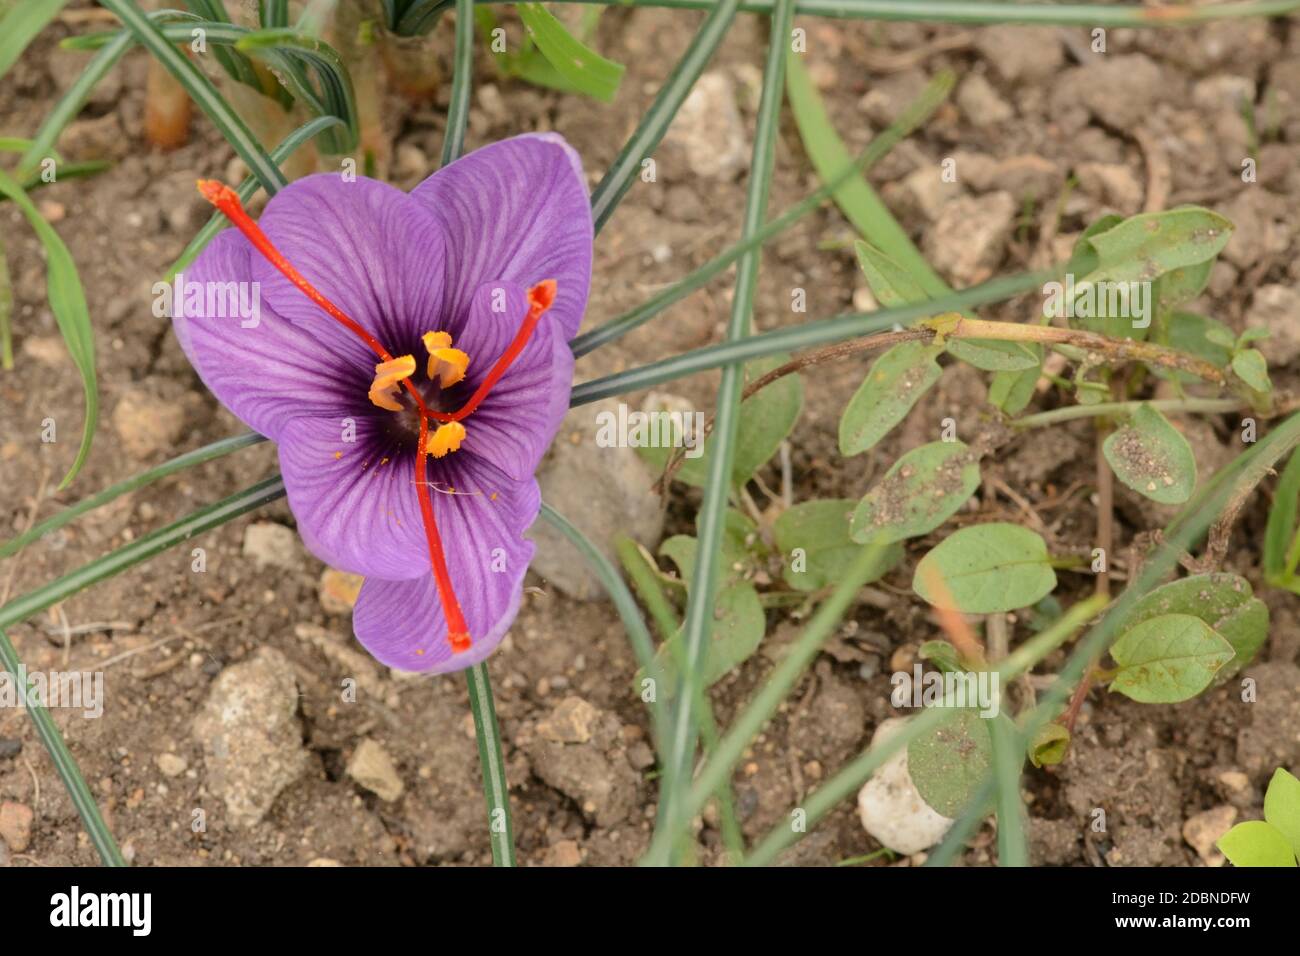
column 268, row 543
column 1202, row 830
column 890, row 806
column 171, row 765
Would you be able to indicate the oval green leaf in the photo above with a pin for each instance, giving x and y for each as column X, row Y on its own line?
column 895, row 383
column 819, row 531
column 1250, row 366
column 951, row 763
column 1168, row 659
column 1282, row 806
column 986, row 569
column 1256, row 843
column 1150, row 456
column 1225, row 602
column 919, row 493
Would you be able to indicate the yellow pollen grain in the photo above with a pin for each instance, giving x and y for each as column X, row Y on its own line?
column 388, row 375
column 446, row 439
column 338, row 455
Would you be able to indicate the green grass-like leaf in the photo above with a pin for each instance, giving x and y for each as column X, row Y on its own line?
column 21, row 25
column 1282, row 536
column 68, row 303
column 217, row 449
column 912, row 117
column 101, row 838
column 804, row 336
column 585, row 70
column 248, row 188
column 857, row 200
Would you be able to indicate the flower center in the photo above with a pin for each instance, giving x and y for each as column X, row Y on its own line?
column 445, row 362
column 446, row 367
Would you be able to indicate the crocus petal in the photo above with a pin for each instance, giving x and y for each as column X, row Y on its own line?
column 516, row 422
column 262, row 367
column 401, row 622
column 355, row 510
column 368, row 248
column 516, row 210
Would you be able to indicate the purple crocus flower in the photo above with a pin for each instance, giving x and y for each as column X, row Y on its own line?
column 441, row 287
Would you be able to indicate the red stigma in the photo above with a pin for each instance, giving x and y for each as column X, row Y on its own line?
column 540, row 299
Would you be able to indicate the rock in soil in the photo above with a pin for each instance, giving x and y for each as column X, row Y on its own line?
column 1277, row 308
column 969, row 237
column 565, row 853
column 16, row 825
column 892, row 809
column 1202, row 829
column 373, row 769
column 595, row 773
column 605, row 492
column 147, row 423
column 339, row 591
column 708, row 129
column 251, row 735
column 271, row 544
column 171, row 765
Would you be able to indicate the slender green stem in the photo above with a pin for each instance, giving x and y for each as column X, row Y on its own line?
column 1008, row 760
column 6, row 311
column 458, row 109
column 650, row 589
column 1186, row 405
column 803, row 336
column 698, row 623
column 64, row 764
column 232, row 126
column 197, row 457
column 495, row 789
column 647, row 586
column 912, row 117
column 654, row 124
